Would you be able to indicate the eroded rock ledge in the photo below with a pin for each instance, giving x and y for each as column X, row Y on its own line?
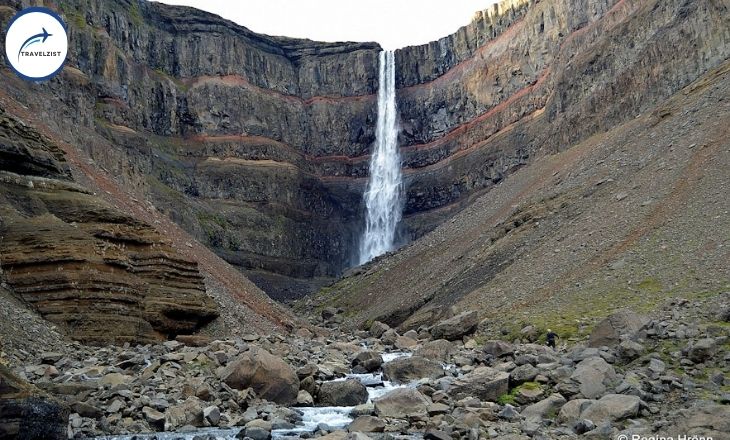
column 83, row 264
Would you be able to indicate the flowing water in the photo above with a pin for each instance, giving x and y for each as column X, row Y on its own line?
column 384, row 192
column 337, row 417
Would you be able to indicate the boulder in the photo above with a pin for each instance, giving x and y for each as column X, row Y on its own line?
column 367, row 424
column 389, row 337
column 407, row 369
column 377, row 329
column 612, row 408
column 255, row 433
column 544, row 409
column 367, row 361
column 484, row 383
column 629, row 350
column 28, row 413
column 304, row 398
column 269, row 376
column 212, row 415
column 571, row 411
column 701, row 350
column 438, row 350
column 189, row 412
column 456, row 327
column 348, row 392
column 706, row 420
column 401, row 403
column 498, row 348
column 435, row 434
column 155, row 418
column 523, row 373
column 404, row 342
column 593, row 376
column 624, row 324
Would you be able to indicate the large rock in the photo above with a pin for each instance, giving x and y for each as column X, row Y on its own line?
column 571, row 411
column 367, row 424
column 28, row 413
column 593, row 376
column 271, row 377
column 401, row 403
column 377, row 329
column 624, row 324
column 484, row 383
column 546, row 408
column 348, row 392
column 612, row 408
column 456, row 327
column 498, row 348
column 187, row 413
column 367, row 361
column 407, row 369
column 438, row 350
column 703, row 420
column 701, row 350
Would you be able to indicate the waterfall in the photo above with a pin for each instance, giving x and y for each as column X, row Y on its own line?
column 384, row 193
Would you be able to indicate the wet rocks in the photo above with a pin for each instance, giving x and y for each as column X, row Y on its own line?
column 348, row 392
column 367, row 361
column 269, row 376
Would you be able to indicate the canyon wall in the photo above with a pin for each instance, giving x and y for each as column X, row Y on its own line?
column 101, row 274
column 259, row 146
column 596, row 129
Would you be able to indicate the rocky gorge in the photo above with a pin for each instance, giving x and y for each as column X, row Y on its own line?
column 634, row 375
column 258, row 146
column 167, row 197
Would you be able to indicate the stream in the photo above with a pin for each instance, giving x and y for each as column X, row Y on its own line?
column 313, row 417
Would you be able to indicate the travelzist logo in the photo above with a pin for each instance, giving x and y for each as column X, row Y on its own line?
column 36, row 44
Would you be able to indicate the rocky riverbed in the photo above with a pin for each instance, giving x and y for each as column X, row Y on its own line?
column 635, row 374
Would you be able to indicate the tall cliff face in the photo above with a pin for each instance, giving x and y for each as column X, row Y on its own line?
column 243, row 139
column 602, row 120
column 529, row 78
column 259, row 146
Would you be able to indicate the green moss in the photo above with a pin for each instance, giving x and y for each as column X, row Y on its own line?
column 134, row 14
column 510, row 397
column 529, row 386
column 651, row 285
column 505, row 399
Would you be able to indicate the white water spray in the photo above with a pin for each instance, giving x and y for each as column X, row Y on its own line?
column 384, row 193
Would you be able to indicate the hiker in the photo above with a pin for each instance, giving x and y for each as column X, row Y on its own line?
column 551, row 338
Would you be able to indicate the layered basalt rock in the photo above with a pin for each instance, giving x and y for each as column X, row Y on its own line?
column 529, row 78
column 259, row 145
column 81, row 263
column 243, row 139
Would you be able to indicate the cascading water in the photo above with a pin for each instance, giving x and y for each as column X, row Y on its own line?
column 384, row 193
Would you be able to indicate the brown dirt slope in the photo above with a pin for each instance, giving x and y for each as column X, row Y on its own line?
column 623, row 219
